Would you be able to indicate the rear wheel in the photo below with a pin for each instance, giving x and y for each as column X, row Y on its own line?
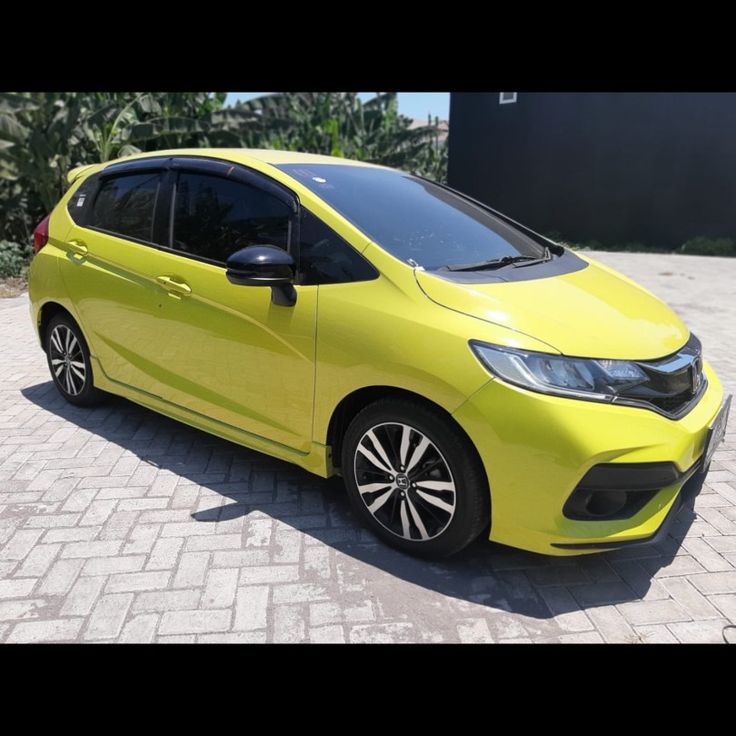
column 414, row 478
column 68, row 358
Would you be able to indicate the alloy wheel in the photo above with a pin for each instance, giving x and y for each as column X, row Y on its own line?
column 404, row 481
column 67, row 360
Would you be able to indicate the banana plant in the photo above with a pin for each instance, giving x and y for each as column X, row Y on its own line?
column 44, row 135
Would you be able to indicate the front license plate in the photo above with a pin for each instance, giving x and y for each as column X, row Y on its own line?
column 716, row 432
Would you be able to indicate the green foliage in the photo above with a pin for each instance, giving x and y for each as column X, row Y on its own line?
column 340, row 124
column 710, row 247
column 14, row 258
column 44, row 135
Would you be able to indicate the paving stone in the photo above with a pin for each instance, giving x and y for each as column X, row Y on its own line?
column 653, row 612
column 21, row 609
column 112, row 565
column 194, row 622
column 611, row 625
column 38, row 560
column 239, row 637
column 654, row 634
column 108, row 616
column 251, row 611
column 220, row 589
column 165, row 553
column 17, row 588
column 568, row 615
column 138, row 581
column 52, row 630
column 91, row 549
column 192, row 569
column 699, row 632
column 717, row 582
column 474, row 631
column 20, row 544
column 695, row 604
column 327, row 635
column 600, row 594
column 167, row 600
column 117, row 524
column 83, row 596
column 60, row 577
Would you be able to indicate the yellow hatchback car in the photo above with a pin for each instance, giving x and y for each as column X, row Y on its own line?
column 462, row 373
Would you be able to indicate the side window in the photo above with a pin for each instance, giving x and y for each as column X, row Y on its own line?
column 325, row 258
column 79, row 202
column 125, row 205
column 214, row 217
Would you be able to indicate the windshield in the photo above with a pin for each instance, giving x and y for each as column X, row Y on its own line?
column 414, row 219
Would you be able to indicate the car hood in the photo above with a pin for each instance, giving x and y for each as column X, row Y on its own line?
column 594, row 312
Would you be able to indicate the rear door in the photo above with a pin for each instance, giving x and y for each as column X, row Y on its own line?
column 110, row 268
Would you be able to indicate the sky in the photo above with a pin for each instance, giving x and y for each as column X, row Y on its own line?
column 412, row 104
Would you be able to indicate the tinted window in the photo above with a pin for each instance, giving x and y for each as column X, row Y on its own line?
column 411, row 218
column 125, row 205
column 325, row 258
column 79, row 202
column 214, row 217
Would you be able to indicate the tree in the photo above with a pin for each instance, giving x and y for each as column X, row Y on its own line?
column 340, row 124
column 44, row 135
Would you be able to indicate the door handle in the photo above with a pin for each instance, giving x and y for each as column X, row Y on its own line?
column 177, row 287
column 78, row 247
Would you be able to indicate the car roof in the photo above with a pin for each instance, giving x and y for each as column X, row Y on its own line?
column 247, row 155
column 254, row 157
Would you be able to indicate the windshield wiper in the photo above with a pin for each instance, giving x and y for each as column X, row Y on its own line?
column 532, row 261
column 500, row 263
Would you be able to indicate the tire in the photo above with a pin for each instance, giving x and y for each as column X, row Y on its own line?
column 68, row 358
column 436, row 508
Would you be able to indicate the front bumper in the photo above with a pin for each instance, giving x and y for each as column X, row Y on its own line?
column 537, row 448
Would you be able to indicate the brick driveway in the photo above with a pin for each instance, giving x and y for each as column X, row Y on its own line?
column 117, row 524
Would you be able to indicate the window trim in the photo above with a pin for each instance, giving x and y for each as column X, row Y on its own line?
column 300, row 270
column 94, row 180
column 236, row 172
column 170, row 166
column 165, row 203
column 292, row 244
column 84, row 222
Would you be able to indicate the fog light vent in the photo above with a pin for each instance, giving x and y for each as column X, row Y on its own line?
column 606, row 503
column 618, row 490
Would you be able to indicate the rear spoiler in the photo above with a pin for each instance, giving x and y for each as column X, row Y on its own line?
column 75, row 173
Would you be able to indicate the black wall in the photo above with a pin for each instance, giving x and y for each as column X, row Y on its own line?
column 654, row 168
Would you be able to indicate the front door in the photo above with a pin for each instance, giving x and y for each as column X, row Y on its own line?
column 227, row 351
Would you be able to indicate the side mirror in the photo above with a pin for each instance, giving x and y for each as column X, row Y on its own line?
column 264, row 265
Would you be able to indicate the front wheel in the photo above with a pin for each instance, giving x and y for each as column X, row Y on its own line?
column 414, row 478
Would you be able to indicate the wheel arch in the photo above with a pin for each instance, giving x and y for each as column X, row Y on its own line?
column 46, row 313
column 354, row 402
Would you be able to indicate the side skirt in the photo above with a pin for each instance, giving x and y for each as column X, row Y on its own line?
column 315, row 461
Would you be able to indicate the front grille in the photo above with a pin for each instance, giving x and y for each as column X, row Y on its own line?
column 672, row 404
column 673, row 385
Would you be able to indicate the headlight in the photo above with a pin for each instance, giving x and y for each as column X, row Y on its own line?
column 597, row 380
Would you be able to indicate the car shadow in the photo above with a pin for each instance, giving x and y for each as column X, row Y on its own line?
column 498, row 577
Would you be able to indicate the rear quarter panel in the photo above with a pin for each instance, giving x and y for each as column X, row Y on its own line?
column 44, row 277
